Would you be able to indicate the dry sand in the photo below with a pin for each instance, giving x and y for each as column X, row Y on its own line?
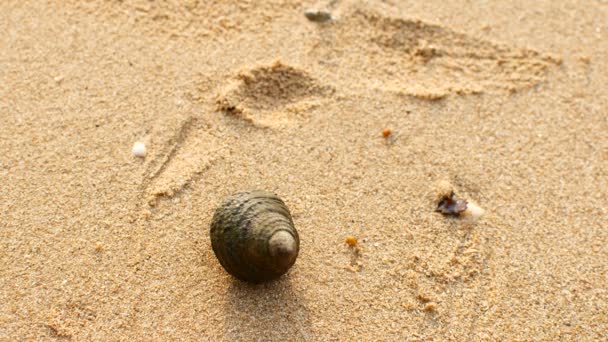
column 504, row 100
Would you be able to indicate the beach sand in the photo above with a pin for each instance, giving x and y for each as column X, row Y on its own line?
column 503, row 102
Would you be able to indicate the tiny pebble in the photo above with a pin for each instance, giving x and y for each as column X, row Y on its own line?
column 386, row 133
column 351, row 241
column 139, row 149
column 318, row 16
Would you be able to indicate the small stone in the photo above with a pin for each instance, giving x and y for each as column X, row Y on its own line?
column 386, row 133
column 319, row 16
column 139, row 149
column 351, row 241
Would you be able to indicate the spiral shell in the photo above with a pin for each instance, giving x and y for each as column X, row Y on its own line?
column 253, row 236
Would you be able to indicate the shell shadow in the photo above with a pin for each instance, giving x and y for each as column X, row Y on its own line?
column 270, row 312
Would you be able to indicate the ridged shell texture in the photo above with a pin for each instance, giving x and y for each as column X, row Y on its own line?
column 253, row 236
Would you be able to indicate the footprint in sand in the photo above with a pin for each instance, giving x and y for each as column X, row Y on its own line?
column 266, row 96
column 427, row 61
column 182, row 156
column 270, row 95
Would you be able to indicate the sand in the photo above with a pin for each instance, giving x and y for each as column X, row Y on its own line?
column 502, row 101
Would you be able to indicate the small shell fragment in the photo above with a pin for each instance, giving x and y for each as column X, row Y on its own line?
column 319, row 16
column 450, row 206
column 139, row 149
column 473, row 210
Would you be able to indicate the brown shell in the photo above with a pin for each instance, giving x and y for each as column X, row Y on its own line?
column 253, row 236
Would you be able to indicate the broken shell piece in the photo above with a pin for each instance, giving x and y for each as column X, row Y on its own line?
column 319, row 16
column 450, row 206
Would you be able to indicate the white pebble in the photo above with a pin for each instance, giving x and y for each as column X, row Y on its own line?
column 139, row 149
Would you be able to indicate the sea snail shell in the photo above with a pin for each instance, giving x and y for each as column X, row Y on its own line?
column 253, row 236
